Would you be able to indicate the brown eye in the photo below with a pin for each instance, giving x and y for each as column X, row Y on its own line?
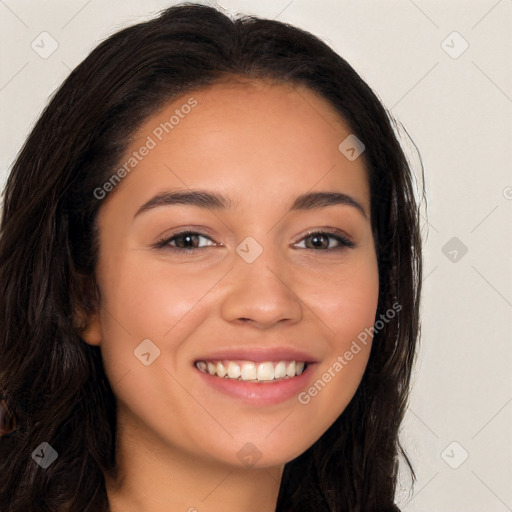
column 318, row 241
column 321, row 240
column 184, row 242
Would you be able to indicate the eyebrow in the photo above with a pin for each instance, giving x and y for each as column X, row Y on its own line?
column 216, row 201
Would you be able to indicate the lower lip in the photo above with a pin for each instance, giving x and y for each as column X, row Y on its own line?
column 260, row 393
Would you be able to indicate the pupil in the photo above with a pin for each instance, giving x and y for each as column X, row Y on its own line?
column 188, row 240
column 317, row 241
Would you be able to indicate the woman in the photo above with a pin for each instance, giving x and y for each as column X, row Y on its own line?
column 210, row 265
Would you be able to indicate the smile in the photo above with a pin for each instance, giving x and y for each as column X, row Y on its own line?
column 251, row 371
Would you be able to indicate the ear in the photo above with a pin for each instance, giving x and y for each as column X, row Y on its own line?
column 86, row 318
column 91, row 333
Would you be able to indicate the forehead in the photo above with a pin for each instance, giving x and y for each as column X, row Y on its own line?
column 250, row 139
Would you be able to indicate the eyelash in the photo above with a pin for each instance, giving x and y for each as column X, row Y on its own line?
column 344, row 242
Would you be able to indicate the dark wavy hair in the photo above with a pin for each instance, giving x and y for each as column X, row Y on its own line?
column 54, row 383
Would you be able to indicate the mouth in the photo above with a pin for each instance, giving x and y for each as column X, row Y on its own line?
column 260, row 383
column 252, row 371
column 256, row 376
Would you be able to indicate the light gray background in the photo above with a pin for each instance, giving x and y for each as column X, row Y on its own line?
column 458, row 111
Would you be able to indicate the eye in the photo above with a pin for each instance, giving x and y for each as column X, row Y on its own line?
column 184, row 242
column 320, row 240
column 187, row 242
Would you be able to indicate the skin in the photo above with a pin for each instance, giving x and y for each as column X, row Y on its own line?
column 260, row 145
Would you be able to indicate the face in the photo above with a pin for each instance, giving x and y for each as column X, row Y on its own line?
column 261, row 277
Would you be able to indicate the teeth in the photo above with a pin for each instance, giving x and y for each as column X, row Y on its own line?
column 265, row 371
column 233, row 370
column 221, row 369
column 250, row 371
column 280, row 370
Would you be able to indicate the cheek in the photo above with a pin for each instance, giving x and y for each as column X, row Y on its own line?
column 148, row 299
column 346, row 298
column 353, row 319
column 354, row 307
column 347, row 308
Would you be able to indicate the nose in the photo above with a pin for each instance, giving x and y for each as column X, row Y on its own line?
column 261, row 293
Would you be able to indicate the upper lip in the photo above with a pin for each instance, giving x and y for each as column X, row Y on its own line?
column 259, row 354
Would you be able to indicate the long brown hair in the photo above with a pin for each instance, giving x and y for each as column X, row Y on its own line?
column 54, row 383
